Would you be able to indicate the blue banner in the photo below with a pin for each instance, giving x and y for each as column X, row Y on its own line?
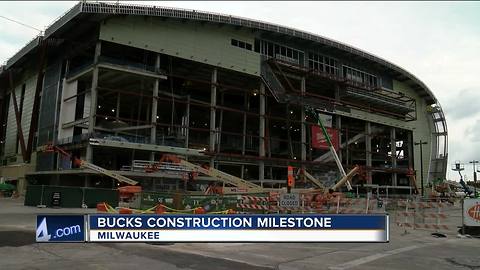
column 238, row 222
column 60, row 228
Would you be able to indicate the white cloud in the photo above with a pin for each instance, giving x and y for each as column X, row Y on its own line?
column 438, row 42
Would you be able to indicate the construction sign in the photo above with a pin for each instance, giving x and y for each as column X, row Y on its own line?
column 471, row 212
column 319, row 141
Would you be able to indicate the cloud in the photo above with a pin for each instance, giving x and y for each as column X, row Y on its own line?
column 462, row 104
column 437, row 42
column 472, row 132
column 35, row 14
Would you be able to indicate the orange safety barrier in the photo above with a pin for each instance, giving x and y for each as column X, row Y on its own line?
column 125, row 211
column 130, row 189
column 160, row 209
column 101, row 207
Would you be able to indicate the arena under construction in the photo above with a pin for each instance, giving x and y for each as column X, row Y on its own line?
column 118, row 86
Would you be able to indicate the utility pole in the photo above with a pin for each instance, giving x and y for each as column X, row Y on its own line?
column 421, row 164
column 473, row 162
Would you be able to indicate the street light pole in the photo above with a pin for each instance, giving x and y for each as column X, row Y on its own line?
column 421, row 164
column 473, row 162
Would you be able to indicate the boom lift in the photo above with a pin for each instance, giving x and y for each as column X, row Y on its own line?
column 214, row 173
column 88, row 165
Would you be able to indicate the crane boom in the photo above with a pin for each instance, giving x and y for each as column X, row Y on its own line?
column 106, row 172
column 214, row 173
column 331, row 147
column 88, row 165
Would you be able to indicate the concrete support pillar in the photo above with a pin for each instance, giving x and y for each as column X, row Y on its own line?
column 338, row 126
column 153, row 115
column 393, row 149
column 410, row 150
column 213, row 105
column 261, row 128
column 22, row 186
column 303, row 128
column 244, row 130
column 86, row 182
column 117, row 110
column 368, row 151
column 93, row 99
column 187, row 122
column 218, row 134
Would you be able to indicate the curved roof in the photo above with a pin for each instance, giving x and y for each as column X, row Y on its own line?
column 98, row 11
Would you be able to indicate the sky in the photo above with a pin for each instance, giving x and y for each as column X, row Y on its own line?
column 438, row 42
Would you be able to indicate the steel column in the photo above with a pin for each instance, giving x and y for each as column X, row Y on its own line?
column 213, row 105
column 93, row 99
column 368, row 151
column 261, row 149
column 36, row 103
column 17, row 117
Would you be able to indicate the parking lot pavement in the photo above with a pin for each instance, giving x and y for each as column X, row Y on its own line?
column 416, row 249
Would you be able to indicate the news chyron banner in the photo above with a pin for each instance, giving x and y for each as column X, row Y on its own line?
column 61, row 228
column 232, row 228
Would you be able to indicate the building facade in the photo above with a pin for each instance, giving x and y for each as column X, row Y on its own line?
column 119, row 85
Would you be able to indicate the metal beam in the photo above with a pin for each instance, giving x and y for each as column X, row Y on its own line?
column 213, row 104
column 147, row 147
column 368, row 150
column 134, row 128
column 17, row 118
column 153, row 113
column 393, row 150
column 36, row 103
column 93, row 99
column 262, row 138
column 131, row 71
column 75, row 123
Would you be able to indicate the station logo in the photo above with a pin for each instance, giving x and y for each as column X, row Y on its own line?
column 60, row 228
column 474, row 212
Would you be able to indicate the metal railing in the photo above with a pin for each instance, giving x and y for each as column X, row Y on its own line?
column 271, row 80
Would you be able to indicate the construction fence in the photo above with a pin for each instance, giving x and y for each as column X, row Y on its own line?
column 267, row 202
column 423, row 214
column 69, row 197
column 409, row 213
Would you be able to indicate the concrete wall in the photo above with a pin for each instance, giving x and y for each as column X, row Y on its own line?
column 207, row 43
column 422, row 130
column 67, row 109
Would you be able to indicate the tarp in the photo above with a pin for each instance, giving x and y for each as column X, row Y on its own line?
column 5, row 186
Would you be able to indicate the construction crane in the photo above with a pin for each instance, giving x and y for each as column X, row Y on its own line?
column 88, row 165
column 344, row 175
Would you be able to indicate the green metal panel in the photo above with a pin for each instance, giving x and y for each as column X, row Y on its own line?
column 206, row 43
column 33, row 195
column 150, row 199
column 97, row 195
column 71, row 197
column 218, row 202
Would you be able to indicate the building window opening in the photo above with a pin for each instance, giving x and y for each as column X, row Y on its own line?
column 359, row 76
column 241, row 44
column 322, row 63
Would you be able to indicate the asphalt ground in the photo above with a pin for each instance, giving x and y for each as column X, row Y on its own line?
column 407, row 249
